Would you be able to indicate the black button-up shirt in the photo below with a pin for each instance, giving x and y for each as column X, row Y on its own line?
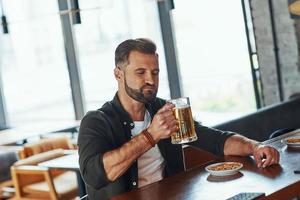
column 109, row 128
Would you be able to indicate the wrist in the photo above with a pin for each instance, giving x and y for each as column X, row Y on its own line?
column 149, row 137
column 152, row 133
column 253, row 146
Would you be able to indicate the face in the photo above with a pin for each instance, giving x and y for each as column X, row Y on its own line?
column 141, row 77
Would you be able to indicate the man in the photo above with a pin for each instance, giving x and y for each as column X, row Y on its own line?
column 126, row 143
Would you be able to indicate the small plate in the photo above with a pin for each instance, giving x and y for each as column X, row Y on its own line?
column 292, row 141
column 224, row 168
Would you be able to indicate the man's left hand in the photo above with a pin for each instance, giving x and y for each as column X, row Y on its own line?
column 265, row 155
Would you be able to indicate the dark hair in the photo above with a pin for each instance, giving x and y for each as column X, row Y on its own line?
column 141, row 45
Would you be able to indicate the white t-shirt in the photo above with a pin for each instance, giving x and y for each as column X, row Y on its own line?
column 151, row 163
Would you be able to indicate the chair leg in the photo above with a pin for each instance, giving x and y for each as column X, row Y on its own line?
column 49, row 180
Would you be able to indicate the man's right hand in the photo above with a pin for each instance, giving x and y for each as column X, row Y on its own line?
column 163, row 123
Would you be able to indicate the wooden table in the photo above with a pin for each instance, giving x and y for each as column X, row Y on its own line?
column 68, row 162
column 277, row 182
column 17, row 134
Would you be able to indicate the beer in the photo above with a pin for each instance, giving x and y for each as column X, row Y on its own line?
column 186, row 130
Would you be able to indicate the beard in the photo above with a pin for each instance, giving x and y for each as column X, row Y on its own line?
column 139, row 94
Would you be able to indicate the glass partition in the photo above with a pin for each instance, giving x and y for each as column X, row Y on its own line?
column 33, row 64
column 214, row 59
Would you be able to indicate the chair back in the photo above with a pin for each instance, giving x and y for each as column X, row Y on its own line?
column 44, row 145
column 260, row 124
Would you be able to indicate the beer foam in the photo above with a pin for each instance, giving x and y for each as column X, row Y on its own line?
column 182, row 106
column 180, row 103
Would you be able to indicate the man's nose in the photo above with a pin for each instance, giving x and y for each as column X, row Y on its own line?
column 150, row 79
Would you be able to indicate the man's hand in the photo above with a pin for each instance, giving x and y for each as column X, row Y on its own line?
column 238, row 145
column 163, row 123
column 265, row 155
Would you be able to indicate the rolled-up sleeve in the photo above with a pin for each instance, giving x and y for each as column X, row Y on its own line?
column 210, row 139
column 93, row 142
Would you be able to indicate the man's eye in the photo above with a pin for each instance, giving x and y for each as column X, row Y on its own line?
column 140, row 72
column 155, row 72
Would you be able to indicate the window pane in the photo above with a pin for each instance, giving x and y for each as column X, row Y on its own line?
column 33, row 64
column 214, row 60
column 104, row 25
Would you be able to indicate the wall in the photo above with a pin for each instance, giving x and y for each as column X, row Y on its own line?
column 287, row 49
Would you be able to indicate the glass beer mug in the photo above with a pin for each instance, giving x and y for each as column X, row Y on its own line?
column 183, row 114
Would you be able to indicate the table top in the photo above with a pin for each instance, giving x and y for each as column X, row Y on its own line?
column 66, row 162
column 13, row 135
column 277, row 181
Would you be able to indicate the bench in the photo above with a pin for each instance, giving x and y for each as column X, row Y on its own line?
column 261, row 124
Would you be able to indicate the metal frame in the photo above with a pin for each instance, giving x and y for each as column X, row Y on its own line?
column 76, row 19
column 169, row 47
column 3, row 111
column 276, row 51
column 252, row 53
column 71, row 56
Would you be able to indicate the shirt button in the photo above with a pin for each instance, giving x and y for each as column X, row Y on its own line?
column 124, row 123
column 131, row 124
column 134, row 183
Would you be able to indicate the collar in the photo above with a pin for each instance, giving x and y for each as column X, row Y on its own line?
column 124, row 116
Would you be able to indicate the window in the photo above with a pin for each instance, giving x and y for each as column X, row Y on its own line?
column 214, row 60
column 104, row 25
column 33, row 64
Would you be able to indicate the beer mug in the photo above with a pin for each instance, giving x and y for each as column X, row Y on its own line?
column 183, row 114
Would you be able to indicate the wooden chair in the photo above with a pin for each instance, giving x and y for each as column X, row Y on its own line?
column 35, row 182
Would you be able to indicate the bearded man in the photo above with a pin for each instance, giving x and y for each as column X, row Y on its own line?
column 126, row 143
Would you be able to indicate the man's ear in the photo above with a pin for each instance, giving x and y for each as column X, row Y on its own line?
column 117, row 73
